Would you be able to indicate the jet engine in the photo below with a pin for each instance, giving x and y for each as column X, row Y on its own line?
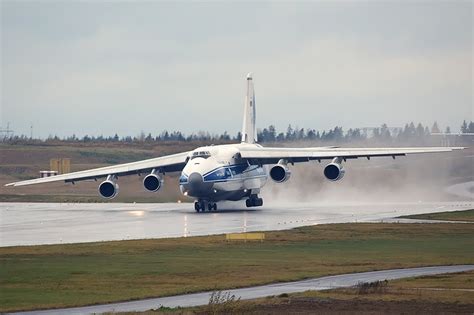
column 109, row 188
column 153, row 182
column 334, row 170
column 280, row 173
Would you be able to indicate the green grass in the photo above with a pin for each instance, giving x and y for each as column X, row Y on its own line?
column 465, row 215
column 79, row 274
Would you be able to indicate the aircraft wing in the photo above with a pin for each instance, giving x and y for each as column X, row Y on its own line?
column 295, row 155
column 169, row 163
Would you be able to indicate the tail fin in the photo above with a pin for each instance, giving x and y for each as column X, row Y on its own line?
column 249, row 129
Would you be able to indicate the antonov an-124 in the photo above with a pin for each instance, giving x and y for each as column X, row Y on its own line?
column 229, row 172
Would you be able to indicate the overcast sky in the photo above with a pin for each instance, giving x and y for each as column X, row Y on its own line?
column 125, row 67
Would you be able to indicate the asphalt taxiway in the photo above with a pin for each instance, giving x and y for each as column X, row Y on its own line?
column 318, row 284
column 55, row 223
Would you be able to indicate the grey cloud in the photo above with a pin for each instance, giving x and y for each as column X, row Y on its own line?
column 106, row 67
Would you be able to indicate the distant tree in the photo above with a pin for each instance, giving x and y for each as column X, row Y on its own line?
column 280, row 137
column 420, row 130
column 271, row 133
column 224, row 136
column 448, row 129
column 238, row 137
column 435, row 128
column 464, row 127
column 289, row 133
column 338, row 134
column 427, row 131
column 376, row 133
column 385, row 133
column 301, row 134
column 471, row 127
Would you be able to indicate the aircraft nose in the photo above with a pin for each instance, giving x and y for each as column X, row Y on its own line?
column 195, row 181
column 197, row 187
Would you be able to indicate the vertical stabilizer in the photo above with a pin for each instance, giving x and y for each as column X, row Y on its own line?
column 249, row 129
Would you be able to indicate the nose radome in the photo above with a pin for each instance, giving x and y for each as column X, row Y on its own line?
column 195, row 180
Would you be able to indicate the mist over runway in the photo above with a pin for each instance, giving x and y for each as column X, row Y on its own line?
column 55, row 223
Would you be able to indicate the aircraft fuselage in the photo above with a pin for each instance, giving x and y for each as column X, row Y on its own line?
column 216, row 173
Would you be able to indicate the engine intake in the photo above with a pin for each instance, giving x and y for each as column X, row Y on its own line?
column 280, row 173
column 109, row 188
column 152, row 182
column 334, row 171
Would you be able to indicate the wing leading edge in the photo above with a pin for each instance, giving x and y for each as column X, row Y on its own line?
column 295, row 155
column 169, row 163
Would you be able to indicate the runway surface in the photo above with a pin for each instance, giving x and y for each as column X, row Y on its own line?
column 318, row 284
column 54, row 223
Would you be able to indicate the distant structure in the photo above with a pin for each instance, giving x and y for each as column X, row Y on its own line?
column 57, row 166
column 60, row 166
column 6, row 133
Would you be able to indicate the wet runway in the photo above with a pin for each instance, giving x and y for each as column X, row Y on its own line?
column 318, row 284
column 54, row 223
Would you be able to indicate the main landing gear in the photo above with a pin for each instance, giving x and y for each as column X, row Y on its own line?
column 254, row 201
column 202, row 206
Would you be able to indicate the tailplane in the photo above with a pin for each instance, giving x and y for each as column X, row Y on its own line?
column 249, row 129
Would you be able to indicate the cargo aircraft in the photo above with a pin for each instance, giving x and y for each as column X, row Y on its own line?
column 230, row 172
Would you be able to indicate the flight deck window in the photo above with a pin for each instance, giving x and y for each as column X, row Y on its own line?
column 202, row 154
column 219, row 174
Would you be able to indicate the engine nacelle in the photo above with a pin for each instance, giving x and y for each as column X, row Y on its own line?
column 109, row 188
column 152, row 182
column 280, row 173
column 334, row 171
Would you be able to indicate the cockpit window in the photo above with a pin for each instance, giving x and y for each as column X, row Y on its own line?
column 219, row 174
column 202, row 154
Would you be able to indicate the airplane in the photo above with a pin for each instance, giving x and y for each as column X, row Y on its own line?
column 229, row 172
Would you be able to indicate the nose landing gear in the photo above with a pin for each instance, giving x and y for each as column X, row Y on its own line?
column 202, row 206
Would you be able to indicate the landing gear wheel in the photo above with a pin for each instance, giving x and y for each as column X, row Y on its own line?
column 197, row 207
column 202, row 205
column 254, row 201
column 212, row 206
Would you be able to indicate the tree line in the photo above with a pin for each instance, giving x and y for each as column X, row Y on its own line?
column 410, row 132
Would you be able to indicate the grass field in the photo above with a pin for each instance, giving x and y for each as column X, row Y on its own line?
column 78, row 274
column 465, row 215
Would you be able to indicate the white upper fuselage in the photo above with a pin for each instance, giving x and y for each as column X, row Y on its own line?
column 218, row 172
